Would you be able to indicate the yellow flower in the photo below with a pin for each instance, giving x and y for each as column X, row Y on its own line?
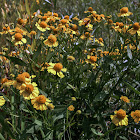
column 91, row 59
column 71, row 108
column 120, row 118
column 79, row 112
column 18, row 38
column 51, row 41
column 70, row 58
column 40, row 102
column 135, row 29
column 125, row 99
column 136, row 116
column 56, row 69
column 73, row 98
column 21, row 79
column 29, row 91
column 124, row 12
column 99, row 41
column 42, row 26
column 2, row 101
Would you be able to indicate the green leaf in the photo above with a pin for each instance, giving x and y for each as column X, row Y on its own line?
column 96, row 132
column 132, row 88
column 27, row 7
column 1, row 137
column 123, row 138
column 100, row 96
column 38, row 122
column 15, row 60
column 129, row 53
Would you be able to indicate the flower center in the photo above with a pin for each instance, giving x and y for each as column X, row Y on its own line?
column 74, row 27
column 26, row 74
column 100, row 40
column 136, row 26
column 124, row 10
column 87, row 34
column 117, row 23
column 121, row 25
column 4, row 80
column 137, row 113
column 20, row 21
column 20, row 78
column 121, row 114
column 64, row 21
column 93, row 59
column 66, row 17
column 52, row 38
column 41, row 99
column 29, row 88
column 18, row 37
column 110, row 21
column 43, row 24
column 90, row 9
column 57, row 67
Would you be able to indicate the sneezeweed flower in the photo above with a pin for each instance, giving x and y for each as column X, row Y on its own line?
column 73, row 98
column 90, row 10
column 120, row 118
column 125, row 99
column 124, row 12
column 87, row 35
column 6, row 29
column 70, row 58
column 100, row 41
column 136, row 116
column 79, row 112
column 42, row 26
column 21, row 79
column 51, row 41
column 20, row 21
column 29, row 91
column 6, row 83
column 18, row 39
column 71, row 108
column 56, row 69
column 2, row 101
column 135, row 29
column 40, row 102
column 91, row 59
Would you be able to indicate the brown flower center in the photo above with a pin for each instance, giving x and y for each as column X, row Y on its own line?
column 29, row 88
column 100, row 40
column 20, row 21
column 18, row 37
column 136, row 26
column 43, row 24
column 57, row 67
column 41, row 99
column 87, row 34
column 4, row 80
column 20, row 78
column 66, row 17
column 137, row 113
column 121, row 25
column 93, row 59
column 117, row 23
column 26, row 74
column 124, row 10
column 121, row 114
column 90, row 9
column 64, row 21
column 52, row 38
